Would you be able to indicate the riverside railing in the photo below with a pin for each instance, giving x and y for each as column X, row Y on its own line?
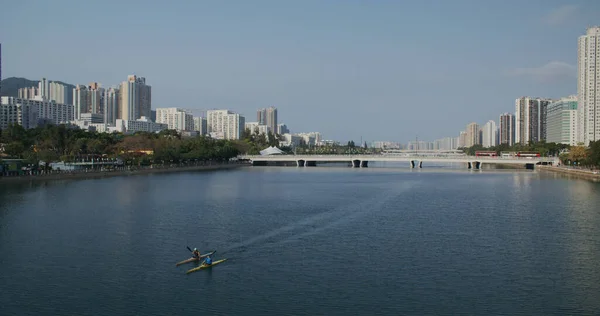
column 116, row 169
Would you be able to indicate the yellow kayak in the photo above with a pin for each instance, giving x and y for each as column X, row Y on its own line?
column 192, row 259
column 203, row 266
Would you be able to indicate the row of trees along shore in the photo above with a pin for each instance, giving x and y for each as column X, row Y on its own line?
column 569, row 155
column 54, row 143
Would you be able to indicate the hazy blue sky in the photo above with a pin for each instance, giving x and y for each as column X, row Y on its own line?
column 383, row 70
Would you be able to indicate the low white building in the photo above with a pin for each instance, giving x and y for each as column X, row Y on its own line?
column 143, row 124
column 94, row 127
column 94, row 118
column 386, row 145
column 290, row 140
column 311, row 138
column 255, row 127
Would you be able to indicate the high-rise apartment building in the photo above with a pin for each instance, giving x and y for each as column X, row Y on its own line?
column 49, row 91
column 96, row 98
column 530, row 119
column 472, row 137
column 135, row 98
column 110, row 105
column 44, row 89
column 88, row 99
column 0, row 68
column 462, row 139
column 80, row 100
column 175, row 118
column 43, row 110
column 224, row 124
column 507, row 129
column 59, row 93
column 261, row 117
column 27, row 93
column 562, row 121
column 282, row 129
column 13, row 111
column 588, row 86
column 489, row 134
column 448, row 143
column 200, row 125
column 268, row 117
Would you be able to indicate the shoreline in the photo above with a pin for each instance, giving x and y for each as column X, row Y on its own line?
column 583, row 174
column 108, row 174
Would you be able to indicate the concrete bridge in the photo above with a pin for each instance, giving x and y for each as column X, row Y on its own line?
column 362, row 161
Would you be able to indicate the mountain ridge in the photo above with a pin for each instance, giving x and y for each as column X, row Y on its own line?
column 11, row 85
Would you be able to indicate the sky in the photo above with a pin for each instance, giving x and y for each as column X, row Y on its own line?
column 372, row 70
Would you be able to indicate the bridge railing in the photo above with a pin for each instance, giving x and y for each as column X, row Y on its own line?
column 366, row 157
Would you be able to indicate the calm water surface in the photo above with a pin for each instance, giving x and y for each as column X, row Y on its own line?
column 304, row 241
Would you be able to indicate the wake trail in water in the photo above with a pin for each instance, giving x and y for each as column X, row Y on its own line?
column 299, row 224
column 356, row 214
column 331, row 219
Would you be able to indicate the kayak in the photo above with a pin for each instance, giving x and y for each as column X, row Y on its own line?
column 201, row 267
column 192, row 259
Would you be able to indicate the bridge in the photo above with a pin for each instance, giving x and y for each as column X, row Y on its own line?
column 362, row 161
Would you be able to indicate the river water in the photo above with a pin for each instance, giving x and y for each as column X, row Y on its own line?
column 303, row 241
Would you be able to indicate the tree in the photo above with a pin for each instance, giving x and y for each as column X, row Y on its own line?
column 14, row 149
column 578, row 154
column 14, row 132
column 594, row 153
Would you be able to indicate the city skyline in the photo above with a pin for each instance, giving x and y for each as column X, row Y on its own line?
column 341, row 73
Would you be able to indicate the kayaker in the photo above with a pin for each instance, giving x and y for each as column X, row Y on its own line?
column 196, row 253
column 208, row 260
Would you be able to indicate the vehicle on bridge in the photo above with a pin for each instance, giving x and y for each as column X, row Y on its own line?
column 508, row 154
column 486, row 154
column 528, row 154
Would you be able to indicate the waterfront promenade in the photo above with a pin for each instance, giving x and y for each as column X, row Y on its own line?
column 578, row 172
column 121, row 171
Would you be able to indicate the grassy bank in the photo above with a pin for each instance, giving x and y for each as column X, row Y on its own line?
column 118, row 173
column 579, row 173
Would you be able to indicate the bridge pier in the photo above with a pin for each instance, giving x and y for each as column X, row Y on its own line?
column 300, row 163
column 413, row 163
column 364, row 163
column 474, row 165
column 355, row 163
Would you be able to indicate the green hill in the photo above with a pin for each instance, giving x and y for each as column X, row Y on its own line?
column 11, row 86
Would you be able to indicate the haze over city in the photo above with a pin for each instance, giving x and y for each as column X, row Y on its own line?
column 383, row 70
